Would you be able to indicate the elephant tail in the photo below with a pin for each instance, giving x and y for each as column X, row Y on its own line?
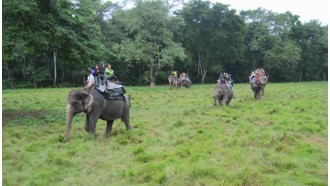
column 127, row 106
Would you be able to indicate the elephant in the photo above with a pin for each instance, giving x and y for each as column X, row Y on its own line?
column 222, row 94
column 170, row 79
column 95, row 106
column 186, row 82
column 258, row 87
column 174, row 82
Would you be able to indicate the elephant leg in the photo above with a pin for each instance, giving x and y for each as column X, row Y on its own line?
column 227, row 103
column 220, row 98
column 108, row 129
column 92, row 125
column 215, row 100
column 263, row 91
column 225, row 99
column 86, row 124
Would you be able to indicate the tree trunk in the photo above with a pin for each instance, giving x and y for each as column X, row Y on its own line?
column 7, row 69
column 23, row 68
column 34, row 81
column 318, row 75
column 152, row 77
column 199, row 66
column 203, row 77
column 300, row 75
column 62, row 74
column 54, row 68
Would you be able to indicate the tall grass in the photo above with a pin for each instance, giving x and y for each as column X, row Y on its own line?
column 178, row 138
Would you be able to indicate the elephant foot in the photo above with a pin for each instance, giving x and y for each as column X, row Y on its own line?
column 93, row 134
column 107, row 134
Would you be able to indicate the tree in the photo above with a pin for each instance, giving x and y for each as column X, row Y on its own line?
column 268, row 43
column 149, row 38
column 312, row 37
column 213, row 35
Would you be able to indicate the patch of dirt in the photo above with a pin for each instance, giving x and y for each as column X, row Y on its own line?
column 8, row 115
column 317, row 140
column 263, row 123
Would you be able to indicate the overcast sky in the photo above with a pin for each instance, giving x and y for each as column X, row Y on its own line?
column 306, row 9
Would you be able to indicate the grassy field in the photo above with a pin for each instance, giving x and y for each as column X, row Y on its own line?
column 178, row 138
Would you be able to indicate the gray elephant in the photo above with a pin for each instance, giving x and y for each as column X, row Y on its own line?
column 174, row 82
column 258, row 87
column 185, row 82
column 222, row 94
column 95, row 106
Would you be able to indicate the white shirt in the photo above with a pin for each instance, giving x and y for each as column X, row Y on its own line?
column 90, row 80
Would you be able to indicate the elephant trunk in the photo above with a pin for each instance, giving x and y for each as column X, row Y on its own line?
column 69, row 117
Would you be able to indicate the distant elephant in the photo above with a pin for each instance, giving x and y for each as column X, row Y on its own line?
column 173, row 81
column 175, row 84
column 258, row 87
column 95, row 106
column 222, row 94
column 186, row 82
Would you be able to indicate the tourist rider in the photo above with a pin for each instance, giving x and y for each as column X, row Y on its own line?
column 90, row 82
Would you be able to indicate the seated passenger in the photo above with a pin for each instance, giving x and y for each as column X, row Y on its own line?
column 90, row 82
column 174, row 73
column 230, row 82
column 252, row 77
column 183, row 75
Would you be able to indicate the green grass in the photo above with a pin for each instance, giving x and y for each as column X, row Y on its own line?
column 178, row 138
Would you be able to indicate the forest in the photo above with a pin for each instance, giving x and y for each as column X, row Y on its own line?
column 50, row 43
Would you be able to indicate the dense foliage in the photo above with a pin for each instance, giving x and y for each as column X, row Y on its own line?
column 52, row 42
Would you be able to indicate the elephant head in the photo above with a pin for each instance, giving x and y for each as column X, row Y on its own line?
column 258, row 87
column 263, row 80
column 78, row 101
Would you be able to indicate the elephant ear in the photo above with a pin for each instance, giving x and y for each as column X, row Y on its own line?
column 88, row 102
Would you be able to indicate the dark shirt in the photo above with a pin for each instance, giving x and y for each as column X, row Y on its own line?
column 100, row 71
